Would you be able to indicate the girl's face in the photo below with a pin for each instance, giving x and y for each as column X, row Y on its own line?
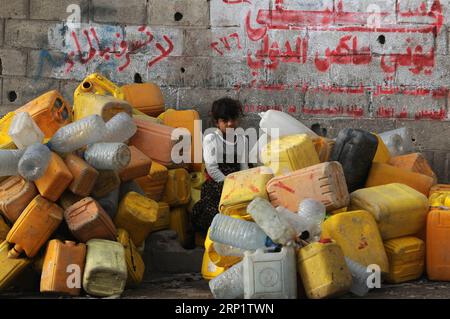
column 224, row 124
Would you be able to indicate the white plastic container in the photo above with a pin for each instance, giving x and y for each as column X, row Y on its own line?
column 24, row 131
column 227, row 250
column 269, row 275
column 9, row 162
column 293, row 219
column 108, row 156
column 120, row 128
column 286, row 124
column 229, row 284
column 69, row 138
column 398, row 141
column 34, row 162
column 266, row 216
column 238, row 233
column 359, row 278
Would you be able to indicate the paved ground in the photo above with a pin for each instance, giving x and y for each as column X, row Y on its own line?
column 192, row 286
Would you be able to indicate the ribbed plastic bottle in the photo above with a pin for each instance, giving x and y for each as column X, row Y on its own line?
column 9, row 162
column 359, row 278
column 229, row 284
column 34, row 162
column 108, row 156
column 313, row 213
column 120, row 128
column 238, row 233
column 265, row 215
column 88, row 130
column 24, row 131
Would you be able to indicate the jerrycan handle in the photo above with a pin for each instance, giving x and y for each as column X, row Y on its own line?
column 103, row 83
column 15, row 252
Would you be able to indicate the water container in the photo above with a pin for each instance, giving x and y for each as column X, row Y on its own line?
column 270, row 275
column 75, row 135
column 24, row 131
column 286, row 124
column 108, row 156
column 359, row 278
column 313, row 213
column 265, row 215
column 398, row 141
column 120, row 128
column 110, row 203
column 130, row 186
column 293, row 219
column 230, row 284
column 228, row 251
column 34, row 162
column 238, row 233
column 9, row 162
column 255, row 152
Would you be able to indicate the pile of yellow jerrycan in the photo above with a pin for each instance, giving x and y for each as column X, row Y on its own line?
column 82, row 188
column 320, row 218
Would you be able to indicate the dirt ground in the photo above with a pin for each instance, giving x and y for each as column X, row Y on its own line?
column 193, row 286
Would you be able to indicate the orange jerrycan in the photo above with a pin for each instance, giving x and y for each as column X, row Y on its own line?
column 56, row 179
column 157, row 141
column 49, row 111
column 34, row 227
column 178, row 188
column 324, row 147
column 62, row 261
column 324, row 182
column 15, row 194
column 154, row 183
column 146, row 97
column 135, row 264
column 107, row 182
column 139, row 166
column 438, row 245
column 84, row 175
column 382, row 174
column 190, row 120
column 10, row 268
column 414, row 162
column 87, row 220
column 136, row 215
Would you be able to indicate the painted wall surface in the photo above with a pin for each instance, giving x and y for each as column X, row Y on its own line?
column 372, row 64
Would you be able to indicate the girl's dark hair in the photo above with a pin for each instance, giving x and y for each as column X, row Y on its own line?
column 226, row 108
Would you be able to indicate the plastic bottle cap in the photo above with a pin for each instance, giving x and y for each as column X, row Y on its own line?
column 325, row 241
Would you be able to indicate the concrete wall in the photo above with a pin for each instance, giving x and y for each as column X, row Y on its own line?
column 371, row 64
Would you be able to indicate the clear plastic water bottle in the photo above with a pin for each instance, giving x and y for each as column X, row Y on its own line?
column 265, row 215
column 108, row 156
column 88, row 130
column 313, row 213
column 120, row 128
column 34, row 162
column 293, row 219
column 229, row 284
column 226, row 250
column 24, row 131
column 9, row 162
column 359, row 278
column 398, row 141
column 238, row 233
column 110, row 203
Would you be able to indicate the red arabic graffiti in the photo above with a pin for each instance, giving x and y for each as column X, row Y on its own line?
column 121, row 50
column 226, row 43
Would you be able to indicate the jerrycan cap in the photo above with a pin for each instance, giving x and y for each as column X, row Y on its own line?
column 325, row 241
